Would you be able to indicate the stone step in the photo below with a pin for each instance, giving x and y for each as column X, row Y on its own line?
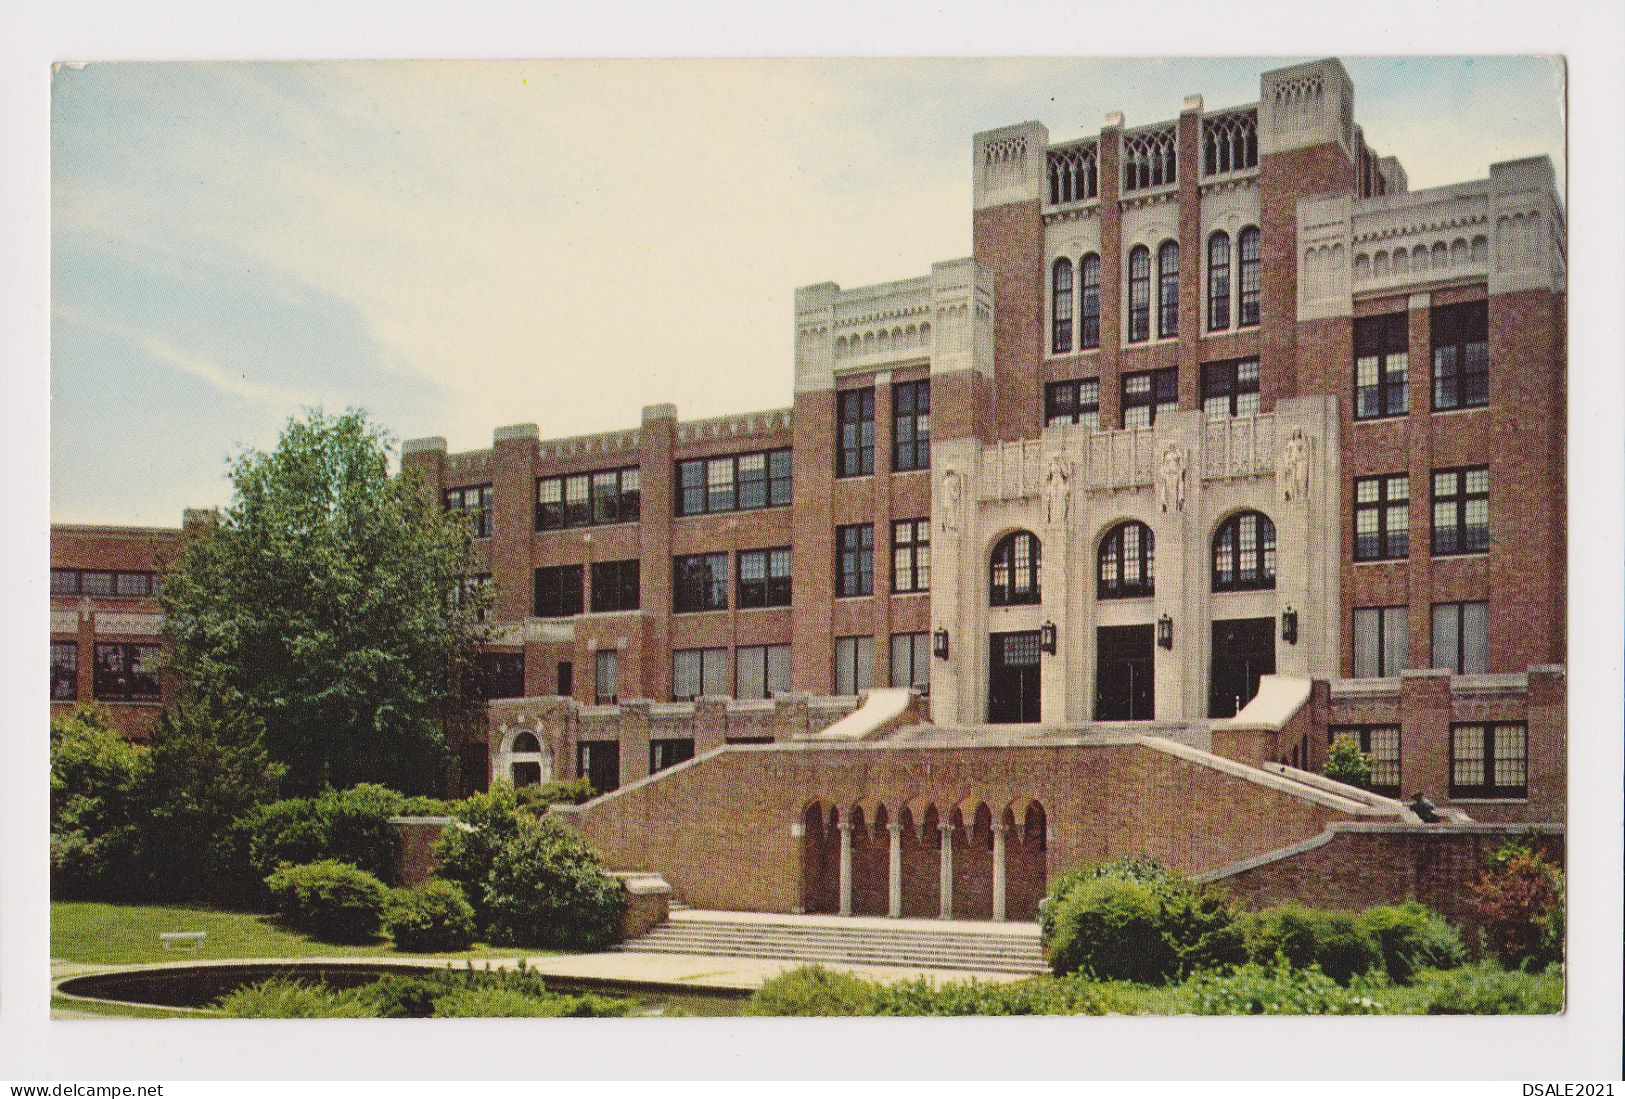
column 959, row 949
column 855, row 957
column 976, row 944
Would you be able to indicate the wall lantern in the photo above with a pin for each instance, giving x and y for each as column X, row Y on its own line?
column 1165, row 632
column 1046, row 638
column 1289, row 625
column 939, row 644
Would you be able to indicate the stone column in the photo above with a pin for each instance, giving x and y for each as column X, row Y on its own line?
column 945, row 871
column 798, row 839
column 999, row 831
column 846, row 867
column 894, row 883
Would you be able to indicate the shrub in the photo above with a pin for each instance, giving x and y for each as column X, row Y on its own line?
column 1333, row 941
column 432, row 916
column 1486, row 989
column 1347, row 764
column 93, row 776
column 1519, row 897
column 814, row 991
column 347, row 825
column 280, row 998
column 1276, row 989
column 546, row 888
column 500, row 1003
column 1411, row 936
column 537, row 799
column 466, row 850
column 331, row 900
column 481, row 993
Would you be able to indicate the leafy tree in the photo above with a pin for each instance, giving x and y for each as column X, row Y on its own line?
column 93, row 774
column 1346, row 763
column 1520, row 898
column 323, row 604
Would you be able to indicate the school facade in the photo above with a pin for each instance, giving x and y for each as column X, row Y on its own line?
column 1222, row 443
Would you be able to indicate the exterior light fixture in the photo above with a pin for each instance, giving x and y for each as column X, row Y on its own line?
column 1046, row 638
column 1289, row 625
column 1165, row 631
column 939, row 644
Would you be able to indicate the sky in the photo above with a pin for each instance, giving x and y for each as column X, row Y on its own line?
column 455, row 246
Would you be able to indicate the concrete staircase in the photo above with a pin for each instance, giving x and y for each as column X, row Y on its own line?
column 969, row 946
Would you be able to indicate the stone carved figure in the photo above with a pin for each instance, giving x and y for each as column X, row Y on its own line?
column 1171, row 478
column 952, row 490
column 1057, row 491
column 1295, row 468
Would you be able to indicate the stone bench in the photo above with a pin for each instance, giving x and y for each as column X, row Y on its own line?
column 182, row 940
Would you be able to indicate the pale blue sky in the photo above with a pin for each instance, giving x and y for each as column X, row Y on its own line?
column 457, row 246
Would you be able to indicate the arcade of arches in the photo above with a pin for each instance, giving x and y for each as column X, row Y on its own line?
column 964, row 861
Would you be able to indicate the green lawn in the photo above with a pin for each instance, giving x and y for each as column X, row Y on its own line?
column 114, row 934
column 72, row 1008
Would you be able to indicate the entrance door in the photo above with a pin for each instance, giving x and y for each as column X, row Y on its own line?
column 1012, row 681
column 1243, row 650
column 1124, row 671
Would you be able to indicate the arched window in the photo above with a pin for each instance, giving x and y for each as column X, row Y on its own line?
column 1126, row 557
column 1247, row 305
column 1089, row 320
column 1168, row 289
column 1139, row 294
column 1061, row 336
column 1218, row 282
column 1013, row 570
column 525, row 742
column 1244, row 553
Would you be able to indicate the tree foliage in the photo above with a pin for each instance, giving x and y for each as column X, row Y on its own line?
column 1346, row 763
column 324, row 605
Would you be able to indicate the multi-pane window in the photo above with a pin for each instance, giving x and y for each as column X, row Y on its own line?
column 910, row 555
column 1218, row 282
column 737, row 482
column 700, row 582
column 126, row 672
column 855, row 559
column 1148, row 393
column 855, row 428
column 1168, row 289
column 1381, row 366
column 103, row 582
column 1461, row 637
column 669, row 752
column 588, row 499
column 1230, row 388
column 854, row 664
column 1461, row 510
column 1248, row 293
column 558, row 591
column 498, row 675
column 606, row 683
column 64, row 671
column 761, row 671
column 1013, row 570
column 1126, row 561
column 1382, row 641
column 473, row 501
column 1076, row 402
column 1139, row 294
column 1382, row 517
column 696, row 672
column 1461, row 356
column 1089, row 301
column 599, row 762
column 1061, row 306
column 911, row 426
column 1244, row 553
column 764, row 578
column 911, row 660
column 1489, row 760
column 1381, row 743
column 615, row 585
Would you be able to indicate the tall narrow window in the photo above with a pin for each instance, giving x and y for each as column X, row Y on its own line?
column 1381, row 366
column 761, row 671
column 700, row 582
column 1461, row 356
column 606, row 677
column 1127, row 555
column 1230, row 388
column 1461, row 637
column 854, row 664
column 764, row 578
column 1244, row 553
column 558, row 591
column 911, row 426
column 1089, row 311
column 1489, row 760
column 855, row 423
column 910, row 555
column 473, row 501
column 1247, row 299
column 1382, row 641
column 1139, row 294
column 1013, row 570
column 1168, row 289
column 1076, row 402
column 1382, row 517
column 1218, row 282
column 64, row 671
column 1461, row 510
column 855, row 559
column 911, row 660
column 1148, row 393
column 1061, row 306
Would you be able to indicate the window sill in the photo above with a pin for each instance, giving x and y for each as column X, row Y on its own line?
column 1460, row 411
column 769, row 607
column 901, row 594
column 701, row 610
column 1489, row 800
column 1382, row 418
column 709, row 514
column 1469, row 555
column 588, row 527
column 859, row 595
column 127, row 701
column 1382, row 560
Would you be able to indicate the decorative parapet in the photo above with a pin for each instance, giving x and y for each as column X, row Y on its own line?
column 604, row 443
column 1072, row 173
column 1008, row 165
column 1120, row 459
column 962, row 304
column 1239, row 446
column 1150, row 158
column 1302, row 106
column 468, row 464
column 741, row 425
column 1399, row 240
column 1230, row 142
column 1012, row 471
column 883, row 324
